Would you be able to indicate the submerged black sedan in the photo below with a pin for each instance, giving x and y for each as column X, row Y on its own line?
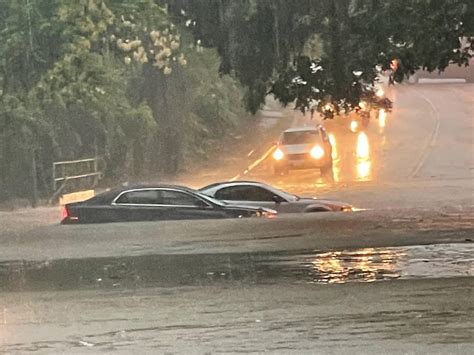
column 159, row 202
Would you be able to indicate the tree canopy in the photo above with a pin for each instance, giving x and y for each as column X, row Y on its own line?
column 326, row 55
column 137, row 82
column 111, row 78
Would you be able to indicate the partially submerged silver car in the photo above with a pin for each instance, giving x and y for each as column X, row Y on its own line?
column 254, row 193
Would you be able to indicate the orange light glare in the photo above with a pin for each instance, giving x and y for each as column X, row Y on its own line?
column 363, row 149
column 278, row 154
column 363, row 169
column 354, row 126
column 332, row 140
column 382, row 118
column 317, row 152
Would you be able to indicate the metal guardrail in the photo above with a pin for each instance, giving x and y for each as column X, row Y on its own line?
column 72, row 170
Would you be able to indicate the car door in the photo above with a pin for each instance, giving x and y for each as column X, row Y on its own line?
column 255, row 196
column 185, row 205
column 140, row 205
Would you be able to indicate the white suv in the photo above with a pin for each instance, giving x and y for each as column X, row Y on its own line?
column 303, row 148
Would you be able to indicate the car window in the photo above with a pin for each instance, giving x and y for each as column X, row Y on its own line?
column 260, row 194
column 145, row 197
column 177, row 198
column 228, row 193
column 211, row 200
column 244, row 193
column 300, row 137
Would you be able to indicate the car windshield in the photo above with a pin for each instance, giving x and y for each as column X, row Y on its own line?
column 286, row 195
column 299, row 137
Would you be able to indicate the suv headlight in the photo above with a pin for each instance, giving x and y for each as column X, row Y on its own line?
column 317, row 152
column 278, row 154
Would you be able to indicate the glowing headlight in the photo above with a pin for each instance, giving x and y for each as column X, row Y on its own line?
column 266, row 214
column 317, row 152
column 354, row 126
column 363, row 105
column 278, row 154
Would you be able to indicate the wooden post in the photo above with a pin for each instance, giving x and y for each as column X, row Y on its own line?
column 96, row 170
column 34, row 180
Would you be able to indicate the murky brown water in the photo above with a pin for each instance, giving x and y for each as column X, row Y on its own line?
column 358, row 265
column 277, row 302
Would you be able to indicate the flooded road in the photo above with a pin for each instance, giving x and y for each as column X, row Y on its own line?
column 94, row 289
column 416, row 299
column 408, row 144
column 353, row 265
column 404, row 150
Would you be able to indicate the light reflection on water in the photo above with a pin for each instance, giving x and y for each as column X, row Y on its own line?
column 356, row 265
column 332, row 140
column 336, row 159
column 367, row 264
column 154, row 320
column 382, row 120
column 363, row 170
column 372, row 264
column 364, row 163
column 363, row 148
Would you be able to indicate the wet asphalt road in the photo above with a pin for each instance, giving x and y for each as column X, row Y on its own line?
column 365, row 283
column 428, row 137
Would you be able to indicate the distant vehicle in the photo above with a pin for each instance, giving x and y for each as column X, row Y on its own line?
column 263, row 195
column 303, row 148
column 360, row 122
column 161, row 202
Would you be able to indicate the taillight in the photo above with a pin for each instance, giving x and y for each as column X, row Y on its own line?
column 66, row 215
column 64, row 212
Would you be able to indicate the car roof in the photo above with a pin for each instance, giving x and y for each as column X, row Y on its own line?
column 238, row 182
column 302, row 129
column 213, row 188
column 111, row 194
column 122, row 188
column 153, row 186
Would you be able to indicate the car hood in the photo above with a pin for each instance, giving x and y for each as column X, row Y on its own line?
column 296, row 148
column 333, row 204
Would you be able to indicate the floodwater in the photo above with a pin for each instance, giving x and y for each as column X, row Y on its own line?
column 302, row 303
column 356, row 265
